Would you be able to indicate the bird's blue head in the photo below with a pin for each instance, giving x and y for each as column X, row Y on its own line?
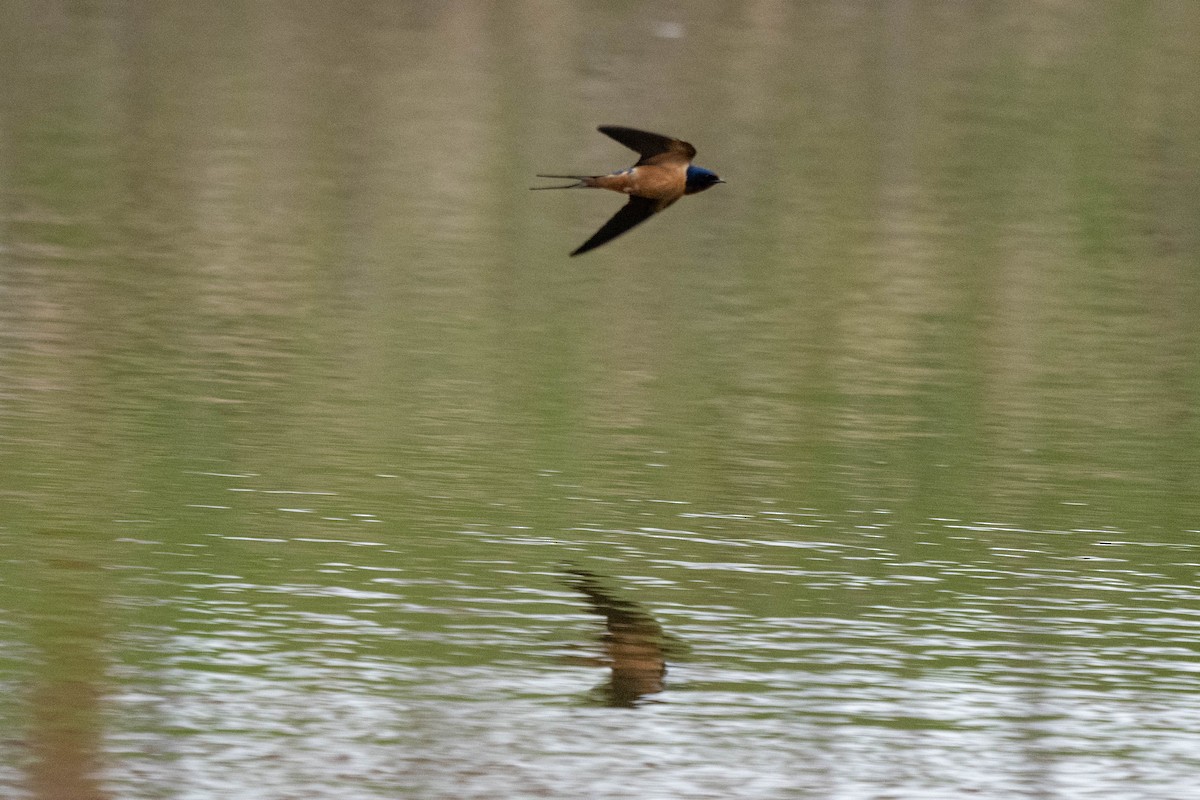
column 699, row 179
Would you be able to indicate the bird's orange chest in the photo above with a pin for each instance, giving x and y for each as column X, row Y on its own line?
column 649, row 181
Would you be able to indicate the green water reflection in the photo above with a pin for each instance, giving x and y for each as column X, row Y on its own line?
column 302, row 403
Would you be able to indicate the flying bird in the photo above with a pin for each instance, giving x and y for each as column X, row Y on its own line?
column 662, row 175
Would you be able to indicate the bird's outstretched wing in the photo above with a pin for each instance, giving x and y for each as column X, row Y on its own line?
column 637, row 210
column 654, row 148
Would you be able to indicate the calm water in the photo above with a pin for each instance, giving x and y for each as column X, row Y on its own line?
column 303, row 408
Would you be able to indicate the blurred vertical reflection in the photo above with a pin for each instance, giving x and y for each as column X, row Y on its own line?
column 65, row 726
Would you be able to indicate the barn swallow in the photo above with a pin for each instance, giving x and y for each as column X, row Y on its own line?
column 662, row 175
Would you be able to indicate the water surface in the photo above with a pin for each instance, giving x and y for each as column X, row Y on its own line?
column 303, row 408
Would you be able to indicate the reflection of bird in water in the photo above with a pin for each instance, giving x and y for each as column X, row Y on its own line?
column 635, row 646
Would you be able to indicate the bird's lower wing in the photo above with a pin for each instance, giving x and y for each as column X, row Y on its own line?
column 637, row 210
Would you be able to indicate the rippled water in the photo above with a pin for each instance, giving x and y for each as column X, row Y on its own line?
column 305, row 415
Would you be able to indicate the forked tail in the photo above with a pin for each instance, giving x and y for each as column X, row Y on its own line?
column 581, row 181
